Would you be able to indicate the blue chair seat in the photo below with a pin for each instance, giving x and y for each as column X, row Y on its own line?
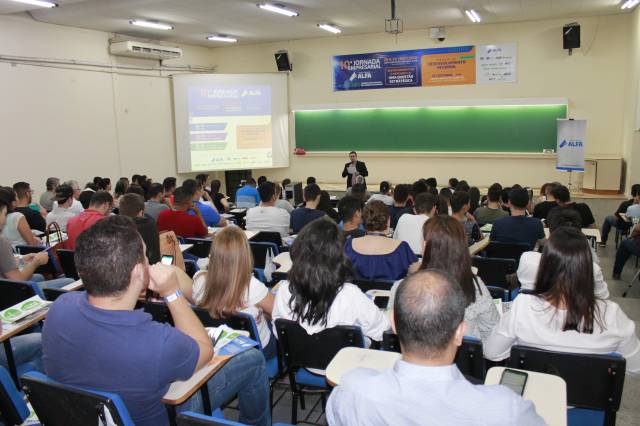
column 272, row 367
column 305, row 377
column 584, row 417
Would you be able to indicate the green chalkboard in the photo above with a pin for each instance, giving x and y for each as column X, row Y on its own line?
column 529, row 128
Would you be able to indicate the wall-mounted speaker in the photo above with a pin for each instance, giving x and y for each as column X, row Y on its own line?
column 282, row 60
column 571, row 37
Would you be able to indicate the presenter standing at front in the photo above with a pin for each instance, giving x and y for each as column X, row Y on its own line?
column 353, row 169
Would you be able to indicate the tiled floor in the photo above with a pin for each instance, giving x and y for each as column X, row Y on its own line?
column 629, row 414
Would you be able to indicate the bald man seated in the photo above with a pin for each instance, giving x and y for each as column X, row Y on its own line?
column 425, row 387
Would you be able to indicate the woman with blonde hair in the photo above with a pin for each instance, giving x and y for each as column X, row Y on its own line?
column 229, row 287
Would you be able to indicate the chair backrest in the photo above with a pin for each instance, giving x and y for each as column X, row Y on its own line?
column 499, row 293
column 68, row 263
column 13, row 292
column 61, row 405
column 593, row 381
column 507, row 250
column 260, row 250
column 239, row 321
column 245, row 201
column 366, row 285
column 13, row 410
column 494, row 271
column 51, row 294
column 201, row 246
column 189, row 418
column 158, row 310
column 303, row 350
column 469, row 358
column 268, row 237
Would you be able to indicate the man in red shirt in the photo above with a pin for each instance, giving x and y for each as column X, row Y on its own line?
column 100, row 206
column 178, row 220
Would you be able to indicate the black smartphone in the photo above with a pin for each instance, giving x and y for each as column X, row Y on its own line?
column 166, row 260
column 514, row 380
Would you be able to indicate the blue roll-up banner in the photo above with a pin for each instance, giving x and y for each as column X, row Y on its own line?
column 572, row 137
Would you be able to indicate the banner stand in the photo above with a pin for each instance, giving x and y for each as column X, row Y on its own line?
column 571, row 140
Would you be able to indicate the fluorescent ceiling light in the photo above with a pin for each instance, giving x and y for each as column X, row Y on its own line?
column 224, row 38
column 38, row 3
column 277, row 8
column 630, row 4
column 473, row 15
column 331, row 28
column 151, row 24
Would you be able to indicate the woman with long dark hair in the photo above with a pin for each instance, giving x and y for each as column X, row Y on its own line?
column 325, row 206
column 563, row 314
column 317, row 294
column 445, row 248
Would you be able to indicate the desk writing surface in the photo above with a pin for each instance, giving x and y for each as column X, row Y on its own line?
column 546, row 391
column 10, row 330
column 180, row 391
column 479, row 246
column 185, row 247
column 588, row 232
column 350, row 358
column 76, row 285
column 284, row 260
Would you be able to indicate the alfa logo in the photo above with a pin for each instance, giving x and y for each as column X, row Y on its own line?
column 571, row 144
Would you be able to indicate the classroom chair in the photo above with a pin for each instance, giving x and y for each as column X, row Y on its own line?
column 158, row 310
column 594, row 382
column 302, row 350
column 189, row 418
column 57, row 404
column 507, row 250
column 68, row 263
column 52, row 294
column 201, row 246
column 268, row 237
column 13, row 408
column 365, row 285
column 13, row 292
column 469, row 358
column 260, row 251
column 494, row 271
column 499, row 293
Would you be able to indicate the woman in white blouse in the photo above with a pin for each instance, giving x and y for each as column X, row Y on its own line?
column 316, row 295
column 563, row 314
column 17, row 229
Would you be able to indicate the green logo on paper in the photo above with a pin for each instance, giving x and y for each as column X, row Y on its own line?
column 30, row 305
column 11, row 313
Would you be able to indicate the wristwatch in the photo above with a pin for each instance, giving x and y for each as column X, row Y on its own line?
column 170, row 298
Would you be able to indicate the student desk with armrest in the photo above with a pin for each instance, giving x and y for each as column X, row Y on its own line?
column 10, row 330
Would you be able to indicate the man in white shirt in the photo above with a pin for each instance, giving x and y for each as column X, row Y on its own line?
column 62, row 207
column 425, row 387
column 267, row 217
column 385, row 195
column 76, row 206
column 409, row 227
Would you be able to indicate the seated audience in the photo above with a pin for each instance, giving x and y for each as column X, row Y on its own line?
column 325, row 206
column 35, row 218
column 317, row 294
column 267, row 217
column 432, row 183
column 261, row 180
column 628, row 247
column 350, row 210
column 359, row 190
column 219, row 199
column 418, row 187
column 62, row 211
column 76, row 205
column 474, row 200
column 444, row 201
column 493, row 210
column 153, row 354
column 282, row 202
column 462, row 186
column 426, row 386
column 16, row 229
column 228, row 285
column 46, row 199
column 385, row 195
column 178, row 220
column 155, row 205
column 247, row 196
column 105, row 185
column 23, row 268
column 209, row 214
column 169, row 184
column 563, row 198
column 311, row 180
column 453, row 184
column 530, row 260
column 616, row 220
column 564, row 314
column 122, row 186
column 633, row 211
column 303, row 215
column 518, row 228
column 100, row 206
column 86, row 194
column 399, row 208
column 409, row 227
column 376, row 256
column 132, row 206
column 541, row 210
column 460, row 204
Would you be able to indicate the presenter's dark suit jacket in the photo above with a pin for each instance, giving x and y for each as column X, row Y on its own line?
column 361, row 168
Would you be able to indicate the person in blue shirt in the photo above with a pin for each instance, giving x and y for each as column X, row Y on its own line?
column 248, row 196
column 518, row 228
column 425, row 387
column 96, row 339
column 303, row 215
column 209, row 214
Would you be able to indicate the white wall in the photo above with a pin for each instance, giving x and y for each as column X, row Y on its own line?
column 77, row 123
column 594, row 80
column 632, row 137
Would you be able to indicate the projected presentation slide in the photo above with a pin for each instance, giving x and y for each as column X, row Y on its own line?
column 233, row 119
column 226, row 122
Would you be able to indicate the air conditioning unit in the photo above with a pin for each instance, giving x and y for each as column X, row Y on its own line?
column 138, row 49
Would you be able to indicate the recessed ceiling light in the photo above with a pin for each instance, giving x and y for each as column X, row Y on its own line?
column 278, row 8
column 38, row 3
column 331, row 28
column 221, row 37
column 630, row 4
column 473, row 15
column 151, row 24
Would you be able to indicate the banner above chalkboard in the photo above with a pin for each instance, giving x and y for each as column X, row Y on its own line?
column 426, row 67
